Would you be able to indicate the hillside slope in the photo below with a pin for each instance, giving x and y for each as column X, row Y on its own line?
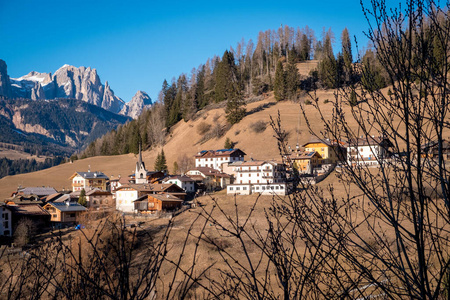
column 185, row 140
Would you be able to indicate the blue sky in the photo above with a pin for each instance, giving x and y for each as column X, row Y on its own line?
column 135, row 45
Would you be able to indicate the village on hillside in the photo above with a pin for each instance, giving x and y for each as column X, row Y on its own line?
column 155, row 194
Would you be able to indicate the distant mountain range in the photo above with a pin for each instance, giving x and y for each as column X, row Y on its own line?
column 61, row 113
column 54, row 127
column 70, row 82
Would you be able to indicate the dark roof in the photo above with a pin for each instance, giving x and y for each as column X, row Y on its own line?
column 97, row 191
column 162, row 197
column 151, row 187
column 370, row 140
column 166, row 197
column 63, row 198
column 328, row 142
column 67, row 207
column 92, row 175
column 28, row 210
column 306, row 155
column 182, row 178
column 220, row 152
column 38, row 191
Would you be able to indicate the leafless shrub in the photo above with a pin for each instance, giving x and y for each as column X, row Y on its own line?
column 25, row 231
column 203, row 128
column 258, row 126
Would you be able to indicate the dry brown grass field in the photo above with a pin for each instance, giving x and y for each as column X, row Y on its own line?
column 185, row 140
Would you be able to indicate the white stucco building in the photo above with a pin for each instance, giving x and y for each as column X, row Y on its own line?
column 184, row 182
column 265, row 177
column 216, row 158
column 370, row 151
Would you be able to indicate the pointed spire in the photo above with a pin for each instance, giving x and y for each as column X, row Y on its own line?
column 140, row 155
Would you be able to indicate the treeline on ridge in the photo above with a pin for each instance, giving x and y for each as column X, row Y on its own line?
column 242, row 72
column 19, row 166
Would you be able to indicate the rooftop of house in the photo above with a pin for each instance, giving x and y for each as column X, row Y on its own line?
column 67, row 207
column 90, row 175
column 97, row 191
column 28, row 210
column 182, row 178
column 369, row 141
column 37, row 190
column 152, row 187
column 305, row 155
column 166, row 197
column 328, row 142
column 207, row 171
column 219, row 153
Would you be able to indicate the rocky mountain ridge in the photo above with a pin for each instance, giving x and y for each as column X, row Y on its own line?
column 70, row 82
column 61, row 127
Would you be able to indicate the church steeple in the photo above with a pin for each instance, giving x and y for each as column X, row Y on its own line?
column 140, row 155
column 140, row 173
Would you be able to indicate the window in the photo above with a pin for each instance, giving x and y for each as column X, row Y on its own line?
column 5, row 224
column 6, row 232
column 263, row 187
column 244, row 188
column 151, row 204
column 72, row 215
column 54, row 216
column 231, row 188
column 238, row 188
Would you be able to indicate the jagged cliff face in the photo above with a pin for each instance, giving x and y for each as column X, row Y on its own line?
column 5, row 85
column 138, row 103
column 70, row 82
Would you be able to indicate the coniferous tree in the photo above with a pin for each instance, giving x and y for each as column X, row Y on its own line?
column 327, row 68
column 227, row 78
column 200, row 88
column 235, row 110
column 160, row 162
column 305, row 50
column 347, row 55
column 82, row 198
column 228, row 144
column 279, row 86
column 291, row 80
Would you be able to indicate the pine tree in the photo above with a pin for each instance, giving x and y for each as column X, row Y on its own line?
column 82, row 198
column 160, row 163
column 227, row 78
column 228, row 144
column 347, row 55
column 305, row 51
column 291, row 80
column 279, row 86
column 235, row 111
